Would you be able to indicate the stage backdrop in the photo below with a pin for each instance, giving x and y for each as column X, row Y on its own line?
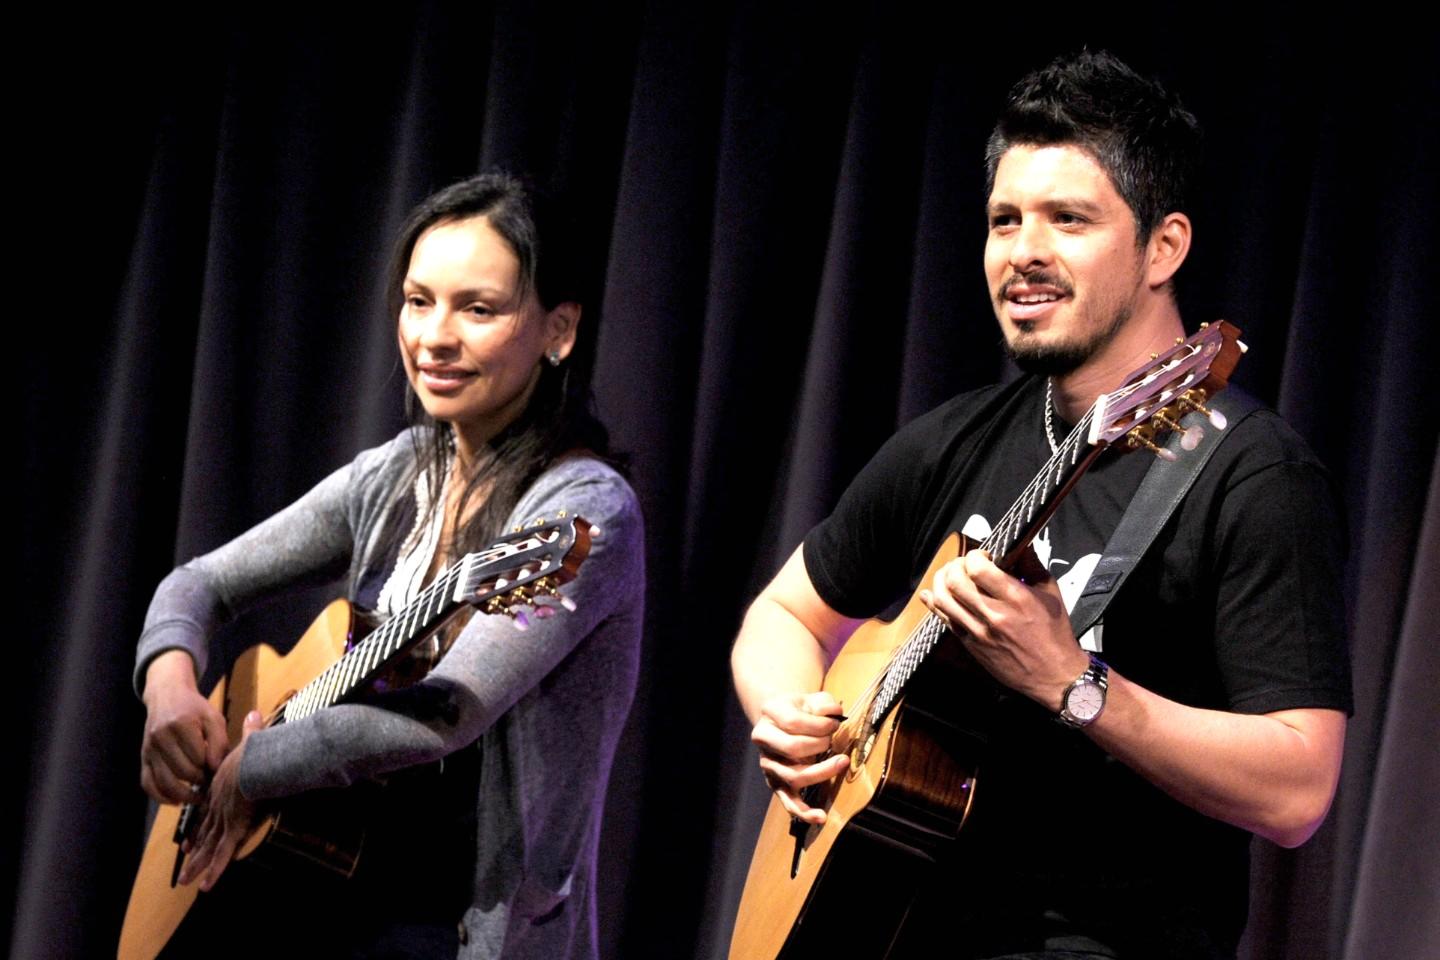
column 785, row 204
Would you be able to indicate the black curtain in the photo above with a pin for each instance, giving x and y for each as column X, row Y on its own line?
column 786, row 207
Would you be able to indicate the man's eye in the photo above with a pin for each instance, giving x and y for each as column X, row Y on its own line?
column 1003, row 220
column 1070, row 218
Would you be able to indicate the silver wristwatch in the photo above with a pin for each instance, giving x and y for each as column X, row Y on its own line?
column 1085, row 698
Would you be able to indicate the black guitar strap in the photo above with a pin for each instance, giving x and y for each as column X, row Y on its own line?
column 1164, row 486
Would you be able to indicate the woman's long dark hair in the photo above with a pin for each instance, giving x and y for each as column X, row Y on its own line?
column 558, row 418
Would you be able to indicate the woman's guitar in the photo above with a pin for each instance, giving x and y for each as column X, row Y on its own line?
column 847, row 885
column 325, row 667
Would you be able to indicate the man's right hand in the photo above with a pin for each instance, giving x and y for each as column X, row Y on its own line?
column 792, row 732
column 185, row 738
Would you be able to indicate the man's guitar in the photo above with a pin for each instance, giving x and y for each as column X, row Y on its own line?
column 326, row 667
column 848, row 884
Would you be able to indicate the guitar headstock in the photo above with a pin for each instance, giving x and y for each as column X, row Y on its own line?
column 527, row 568
column 1156, row 396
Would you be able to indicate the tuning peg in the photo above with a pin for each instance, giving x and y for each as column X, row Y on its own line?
column 1195, row 400
column 544, row 611
column 594, row 533
column 1136, row 440
column 519, row 617
column 1190, row 437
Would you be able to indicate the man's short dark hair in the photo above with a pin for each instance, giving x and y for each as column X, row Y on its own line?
column 1137, row 130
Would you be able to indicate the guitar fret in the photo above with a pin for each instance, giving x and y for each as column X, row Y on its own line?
column 347, row 677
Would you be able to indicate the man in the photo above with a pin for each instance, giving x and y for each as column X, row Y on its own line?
column 1122, row 831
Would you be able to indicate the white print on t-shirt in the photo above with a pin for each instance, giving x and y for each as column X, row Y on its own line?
column 1072, row 581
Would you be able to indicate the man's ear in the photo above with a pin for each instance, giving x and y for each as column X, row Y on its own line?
column 1168, row 247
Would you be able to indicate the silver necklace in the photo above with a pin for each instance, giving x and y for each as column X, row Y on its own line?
column 1049, row 415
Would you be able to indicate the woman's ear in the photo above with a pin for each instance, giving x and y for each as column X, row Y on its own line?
column 561, row 324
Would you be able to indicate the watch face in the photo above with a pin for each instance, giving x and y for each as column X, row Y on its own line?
column 1085, row 701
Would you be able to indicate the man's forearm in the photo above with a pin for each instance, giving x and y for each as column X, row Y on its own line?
column 1272, row 774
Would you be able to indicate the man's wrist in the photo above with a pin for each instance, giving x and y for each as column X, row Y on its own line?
column 1084, row 699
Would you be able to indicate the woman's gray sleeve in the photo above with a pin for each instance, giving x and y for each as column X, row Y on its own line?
column 308, row 542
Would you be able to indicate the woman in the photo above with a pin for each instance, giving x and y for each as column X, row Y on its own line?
column 488, row 317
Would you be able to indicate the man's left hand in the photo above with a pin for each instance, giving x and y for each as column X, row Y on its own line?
column 1019, row 633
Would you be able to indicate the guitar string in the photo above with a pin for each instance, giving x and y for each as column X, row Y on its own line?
column 339, row 678
column 910, row 653
column 343, row 675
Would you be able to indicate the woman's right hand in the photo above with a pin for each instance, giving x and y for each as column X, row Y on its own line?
column 185, row 738
column 792, row 732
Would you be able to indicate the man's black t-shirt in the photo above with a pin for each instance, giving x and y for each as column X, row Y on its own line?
column 1235, row 607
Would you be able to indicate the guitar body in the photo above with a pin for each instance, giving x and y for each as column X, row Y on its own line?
column 262, row 680
column 848, row 884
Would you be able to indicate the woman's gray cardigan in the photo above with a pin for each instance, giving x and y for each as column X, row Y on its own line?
column 547, row 704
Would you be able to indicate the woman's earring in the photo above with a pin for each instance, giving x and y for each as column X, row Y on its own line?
column 554, row 357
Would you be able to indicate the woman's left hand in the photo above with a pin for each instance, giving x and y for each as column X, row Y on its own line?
column 228, row 817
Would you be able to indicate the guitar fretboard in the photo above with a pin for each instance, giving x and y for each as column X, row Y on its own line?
column 434, row 605
column 1013, row 531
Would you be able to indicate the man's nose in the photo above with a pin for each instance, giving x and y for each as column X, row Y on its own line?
column 1032, row 245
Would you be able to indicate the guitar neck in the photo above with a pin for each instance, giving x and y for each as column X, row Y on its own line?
column 1006, row 543
column 525, row 568
column 367, row 660
column 1036, row 504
